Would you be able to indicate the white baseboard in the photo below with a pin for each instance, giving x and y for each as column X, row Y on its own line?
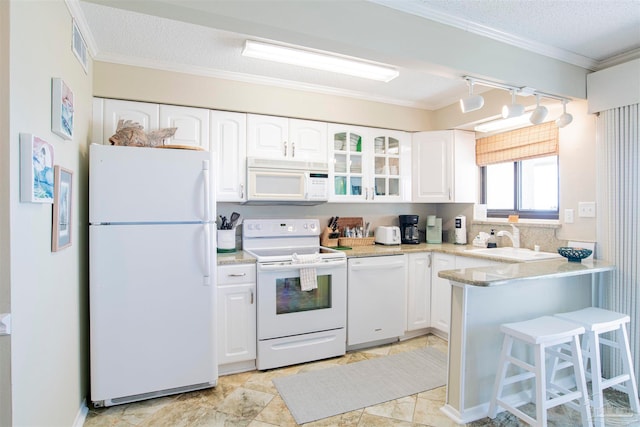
column 81, row 417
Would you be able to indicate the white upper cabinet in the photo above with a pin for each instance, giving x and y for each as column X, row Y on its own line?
column 107, row 113
column 192, row 123
column 228, row 139
column 444, row 167
column 270, row 137
column 368, row 165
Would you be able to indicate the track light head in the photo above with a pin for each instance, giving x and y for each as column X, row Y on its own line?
column 472, row 103
column 565, row 118
column 539, row 114
column 513, row 110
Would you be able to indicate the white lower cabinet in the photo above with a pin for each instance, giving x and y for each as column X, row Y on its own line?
column 441, row 292
column 236, row 318
column 441, row 288
column 419, row 291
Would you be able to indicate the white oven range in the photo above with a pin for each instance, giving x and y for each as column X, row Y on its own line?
column 295, row 325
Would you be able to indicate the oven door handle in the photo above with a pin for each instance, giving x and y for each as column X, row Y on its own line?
column 289, row 266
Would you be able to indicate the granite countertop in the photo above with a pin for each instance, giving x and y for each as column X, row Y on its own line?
column 241, row 257
column 237, row 257
column 500, row 275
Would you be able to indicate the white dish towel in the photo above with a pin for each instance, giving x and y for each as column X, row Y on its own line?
column 308, row 276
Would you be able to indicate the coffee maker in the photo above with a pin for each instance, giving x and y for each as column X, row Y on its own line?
column 409, row 229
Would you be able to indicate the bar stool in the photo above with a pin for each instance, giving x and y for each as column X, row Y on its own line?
column 597, row 321
column 545, row 335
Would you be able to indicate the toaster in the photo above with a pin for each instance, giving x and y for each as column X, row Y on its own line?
column 387, row 235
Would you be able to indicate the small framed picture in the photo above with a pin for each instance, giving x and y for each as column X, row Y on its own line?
column 62, row 208
column 61, row 109
column 36, row 169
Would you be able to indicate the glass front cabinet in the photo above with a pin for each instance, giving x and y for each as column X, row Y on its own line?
column 369, row 165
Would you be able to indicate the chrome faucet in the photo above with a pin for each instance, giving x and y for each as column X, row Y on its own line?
column 515, row 237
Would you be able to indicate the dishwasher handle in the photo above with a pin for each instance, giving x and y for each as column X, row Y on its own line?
column 369, row 267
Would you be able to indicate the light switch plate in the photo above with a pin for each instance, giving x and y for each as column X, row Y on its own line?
column 568, row 216
column 587, row 209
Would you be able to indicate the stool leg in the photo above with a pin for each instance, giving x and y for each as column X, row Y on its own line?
column 596, row 376
column 581, row 383
column 625, row 352
column 541, row 386
column 507, row 344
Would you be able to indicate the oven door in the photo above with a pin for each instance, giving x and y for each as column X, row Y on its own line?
column 284, row 309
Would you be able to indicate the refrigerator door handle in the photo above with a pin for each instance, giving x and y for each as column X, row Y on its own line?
column 207, row 255
column 205, row 174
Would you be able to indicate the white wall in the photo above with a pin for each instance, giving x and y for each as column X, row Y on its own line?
column 48, row 290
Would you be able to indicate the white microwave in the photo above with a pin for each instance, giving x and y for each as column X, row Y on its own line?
column 286, row 181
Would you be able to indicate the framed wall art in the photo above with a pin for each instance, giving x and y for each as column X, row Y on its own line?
column 36, row 169
column 61, row 109
column 62, row 208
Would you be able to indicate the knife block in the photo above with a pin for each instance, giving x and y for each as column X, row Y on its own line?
column 327, row 238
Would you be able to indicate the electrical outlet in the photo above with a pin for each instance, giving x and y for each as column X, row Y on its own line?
column 568, row 216
column 587, row 209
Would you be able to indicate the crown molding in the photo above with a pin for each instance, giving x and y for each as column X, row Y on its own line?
column 423, row 10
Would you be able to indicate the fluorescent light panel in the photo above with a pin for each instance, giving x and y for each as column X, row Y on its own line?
column 319, row 61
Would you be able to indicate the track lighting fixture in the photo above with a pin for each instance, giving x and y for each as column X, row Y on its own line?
column 513, row 110
column 565, row 118
column 539, row 114
column 471, row 103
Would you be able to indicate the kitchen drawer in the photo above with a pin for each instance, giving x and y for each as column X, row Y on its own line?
column 234, row 274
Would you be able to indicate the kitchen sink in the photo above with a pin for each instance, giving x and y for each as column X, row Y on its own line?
column 518, row 254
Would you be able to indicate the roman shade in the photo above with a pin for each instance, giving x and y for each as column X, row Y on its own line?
column 520, row 144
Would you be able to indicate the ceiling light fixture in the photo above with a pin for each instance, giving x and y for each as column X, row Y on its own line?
column 565, row 118
column 540, row 113
column 513, row 110
column 319, row 60
column 471, row 103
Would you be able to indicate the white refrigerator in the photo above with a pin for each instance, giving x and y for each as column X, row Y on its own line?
column 151, row 272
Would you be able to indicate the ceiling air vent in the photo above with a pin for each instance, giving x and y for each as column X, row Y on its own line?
column 79, row 47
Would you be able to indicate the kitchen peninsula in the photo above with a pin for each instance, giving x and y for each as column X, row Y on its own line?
column 483, row 298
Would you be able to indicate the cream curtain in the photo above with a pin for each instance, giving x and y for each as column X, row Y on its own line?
column 526, row 143
column 618, row 234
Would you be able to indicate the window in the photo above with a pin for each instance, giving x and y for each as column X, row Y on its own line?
column 528, row 188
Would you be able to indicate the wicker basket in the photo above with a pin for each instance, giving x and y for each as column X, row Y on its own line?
column 356, row 241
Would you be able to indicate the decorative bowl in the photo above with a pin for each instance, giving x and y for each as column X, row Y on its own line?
column 574, row 254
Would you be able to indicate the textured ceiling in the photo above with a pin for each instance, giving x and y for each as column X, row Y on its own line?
column 586, row 33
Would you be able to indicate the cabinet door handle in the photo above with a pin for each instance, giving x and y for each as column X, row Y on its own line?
column 285, row 148
column 237, row 274
column 293, row 149
column 251, row 300
column 449, row 193
column 241, row 191
column 373, row 193
column 366, row 193
column 429, row 263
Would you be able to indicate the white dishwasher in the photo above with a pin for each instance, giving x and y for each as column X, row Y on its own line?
column 376, row 298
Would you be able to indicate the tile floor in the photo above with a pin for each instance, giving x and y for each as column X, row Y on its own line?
column 250, row 399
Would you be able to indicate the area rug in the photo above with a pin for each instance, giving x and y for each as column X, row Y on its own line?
column 327, row 392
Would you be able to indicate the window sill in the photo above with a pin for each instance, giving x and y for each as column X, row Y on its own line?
column 537, row 223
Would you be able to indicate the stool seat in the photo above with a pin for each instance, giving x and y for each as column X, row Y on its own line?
column 549, row 336
column 545, row 329
column 597, row 321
